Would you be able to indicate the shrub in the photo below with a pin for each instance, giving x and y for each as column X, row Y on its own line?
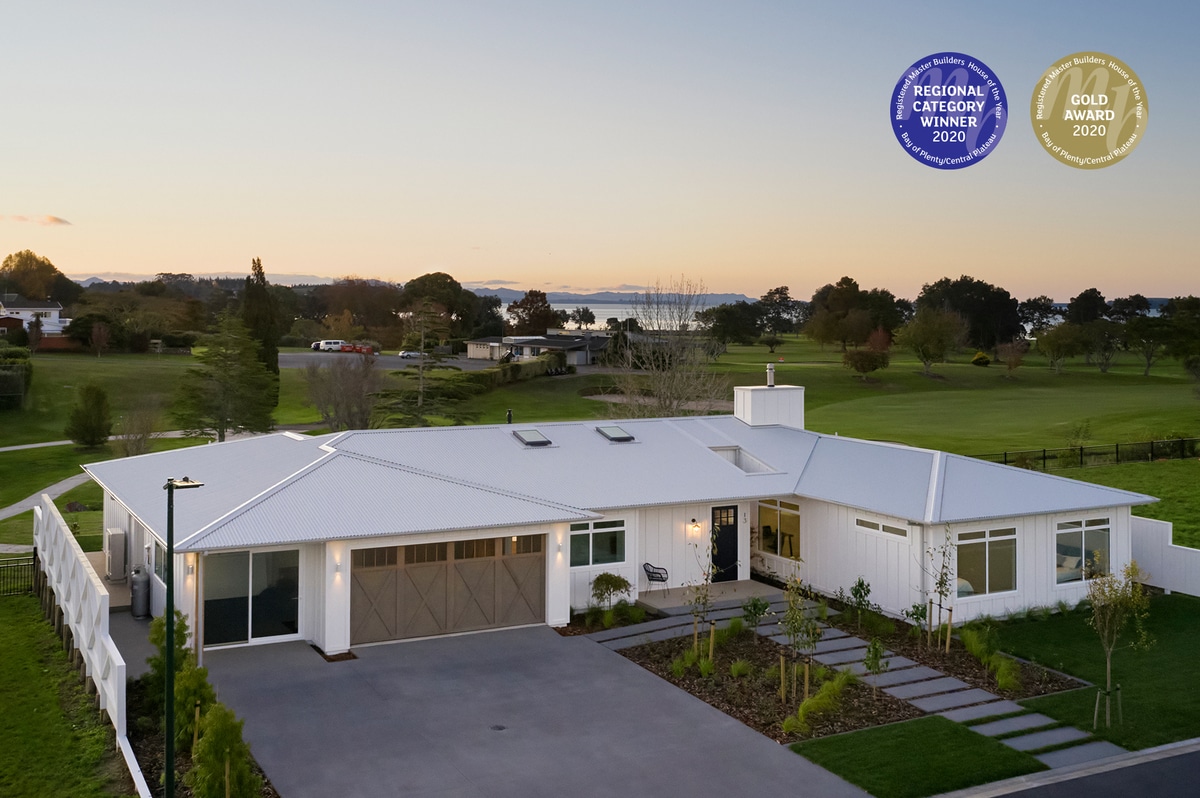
column 876, row 625
column 754, row 609
column 916, row 615
column 191, row 686
column 678, row 667
column 90, row 424
column 981, row 359
column 736, row 628
column 594, row 617
column 606, row 587
column 1007, row 671
column 609, row 618
column 690, row 658
column 827, row 699
column 707, row 667
column 155, row 678
column 740, row 668
column 221, row 740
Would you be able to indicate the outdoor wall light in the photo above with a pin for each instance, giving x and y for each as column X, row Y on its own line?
column 337, row 567
column 695, row 527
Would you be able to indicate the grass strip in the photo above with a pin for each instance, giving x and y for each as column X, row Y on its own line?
column 882, row 760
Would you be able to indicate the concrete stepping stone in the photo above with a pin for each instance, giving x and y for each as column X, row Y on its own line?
column 982, row 711
column 842, row 657
column 893, row 677
column 859, row 669
column 930, row 687
column 832, row 632
column 838, row 644
column 1019, row 723
column 952, row 700
column 1027, row 742
column 1078, row 754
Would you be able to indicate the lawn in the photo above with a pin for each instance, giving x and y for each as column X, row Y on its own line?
column 54, row 742
column 927, row 756
column 1160, row 706
column 87, row 524
column 1172, row 481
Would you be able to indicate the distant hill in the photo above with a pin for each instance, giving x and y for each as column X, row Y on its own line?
column 274, row 279
column 508, row 295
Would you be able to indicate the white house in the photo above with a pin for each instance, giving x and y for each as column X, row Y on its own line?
column 579, row 349
column 18, row 307
column 367, row 536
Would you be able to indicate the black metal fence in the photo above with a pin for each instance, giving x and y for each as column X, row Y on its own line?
column 1108, row 454
column 16, row 576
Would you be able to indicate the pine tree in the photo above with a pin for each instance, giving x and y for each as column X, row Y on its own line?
column 260, row 314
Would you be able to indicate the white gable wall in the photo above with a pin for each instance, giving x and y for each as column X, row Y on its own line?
column 668, row 541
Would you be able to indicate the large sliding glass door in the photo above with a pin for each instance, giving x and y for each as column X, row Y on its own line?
column 250, row 595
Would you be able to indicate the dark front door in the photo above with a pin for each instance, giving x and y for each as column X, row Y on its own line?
column 724, row 544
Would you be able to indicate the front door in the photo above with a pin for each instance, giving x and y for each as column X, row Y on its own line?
column 724, row 544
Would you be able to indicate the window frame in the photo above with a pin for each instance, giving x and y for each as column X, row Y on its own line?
column 592, row 529
column 985, row 538
column 1082, row 526
column 890, row 531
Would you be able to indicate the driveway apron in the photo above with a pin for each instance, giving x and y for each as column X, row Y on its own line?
column 516, row 712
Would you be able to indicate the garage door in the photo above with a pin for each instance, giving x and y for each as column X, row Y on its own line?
column 398, row 592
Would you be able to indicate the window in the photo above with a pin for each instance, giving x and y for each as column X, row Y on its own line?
column 424, row 552
column 531, row 437
column 160, row 562
column 473, row 549
column 598, row 543
column 1081, row 550
column 615, row 434
column 876, row 526
column 779, row 527
column 523, row 544
column 374, row 558
column 987, row 562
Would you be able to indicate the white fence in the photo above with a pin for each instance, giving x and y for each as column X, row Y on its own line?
column 80, row 595
column 1171, row 567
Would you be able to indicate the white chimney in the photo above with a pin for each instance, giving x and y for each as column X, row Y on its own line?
column 765, row 405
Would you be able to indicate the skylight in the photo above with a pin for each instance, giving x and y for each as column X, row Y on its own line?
column 615, row 433
column 531, row 437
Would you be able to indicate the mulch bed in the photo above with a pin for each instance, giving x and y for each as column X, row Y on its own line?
column 754, row 699
column 146, row 738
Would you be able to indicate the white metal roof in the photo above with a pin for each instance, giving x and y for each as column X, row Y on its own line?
column 277, row 489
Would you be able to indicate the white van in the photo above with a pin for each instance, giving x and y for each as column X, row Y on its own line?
column 331, row 345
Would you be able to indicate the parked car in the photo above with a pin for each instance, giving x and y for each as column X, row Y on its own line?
column 332, row 345
column 316, row 346
column 409, row 355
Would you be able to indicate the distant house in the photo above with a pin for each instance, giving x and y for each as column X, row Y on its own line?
column 374, row 535
column 15, row 306
column 8, row 324
column 580, row 349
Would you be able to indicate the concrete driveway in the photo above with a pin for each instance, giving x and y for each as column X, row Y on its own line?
column 518, row 712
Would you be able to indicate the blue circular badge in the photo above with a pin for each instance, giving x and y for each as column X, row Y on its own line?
column 949, row 110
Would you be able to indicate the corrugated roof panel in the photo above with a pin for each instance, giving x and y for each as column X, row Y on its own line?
column 888, row 479
column 976, row 489
column 347, row 496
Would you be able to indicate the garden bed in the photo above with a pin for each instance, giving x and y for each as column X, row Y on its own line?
column 754, row 698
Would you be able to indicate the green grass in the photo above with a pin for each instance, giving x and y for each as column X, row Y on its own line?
column 1172, row 481
column 1160, row 706
column 88, row 525
column 541, row 399
column 888, row 763
column 25, row 471
column 54, row 742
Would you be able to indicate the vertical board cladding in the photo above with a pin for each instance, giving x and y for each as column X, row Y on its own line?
column 666, row 540
column 1036, row 583
column 312, row 593
column 580, row 577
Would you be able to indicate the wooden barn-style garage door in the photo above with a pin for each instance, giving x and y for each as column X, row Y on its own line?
column 398, row 592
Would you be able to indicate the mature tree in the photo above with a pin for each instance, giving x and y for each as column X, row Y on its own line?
column 260, row 314
column 886, row 311
column 732, row 322
column 770, row 341
column 1037, row 313
column 371, row 303
column 489, row 319
column 90, row 423
column 1103, row 339
column 1061, row 342
column 463, row 310
column 623, row 325
column 1148, row 336
column 666, row 367
column 864, row 361
column 1116, row 602
column 1124, row 308
column 1089, row 305
column 342, row 326
column 99, row 337
column 932, row 334
column 778, row 311
column 137, row 426
column 344, row 390
column 583, row 317
column 1183, row 316
column 230, row 389
column 34, row 277
column 532, row 314
column 16, row 374
column 989, row 311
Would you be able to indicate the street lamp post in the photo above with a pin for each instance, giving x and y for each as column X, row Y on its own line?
column 169, row 617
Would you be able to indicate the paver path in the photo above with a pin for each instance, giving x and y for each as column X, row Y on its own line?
column 924, row 687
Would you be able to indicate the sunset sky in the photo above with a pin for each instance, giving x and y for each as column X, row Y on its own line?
column 580, row 145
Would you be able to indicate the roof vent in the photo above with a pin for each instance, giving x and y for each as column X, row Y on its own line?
column 615, row 433
column 531, row 437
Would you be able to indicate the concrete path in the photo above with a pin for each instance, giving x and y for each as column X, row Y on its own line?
column 54, row 491
column 516, row 712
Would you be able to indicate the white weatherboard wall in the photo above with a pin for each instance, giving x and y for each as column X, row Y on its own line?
column 1036, row 540
column 580, row 577
column 761, row 405
column 1164, row 564
column 668, row 541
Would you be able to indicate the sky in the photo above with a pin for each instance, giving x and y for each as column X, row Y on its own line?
column 580, row 146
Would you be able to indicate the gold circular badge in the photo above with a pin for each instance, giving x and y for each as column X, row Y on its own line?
column 1089, row 110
